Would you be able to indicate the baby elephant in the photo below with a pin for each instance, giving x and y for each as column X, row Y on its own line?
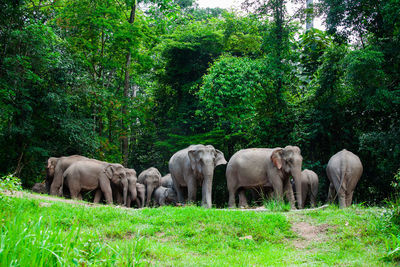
column 163, row 195
column 309, row 187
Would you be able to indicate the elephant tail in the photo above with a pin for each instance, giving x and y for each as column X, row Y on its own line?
column 341, row 177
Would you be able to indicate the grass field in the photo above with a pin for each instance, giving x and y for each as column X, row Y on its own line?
column 44, row 233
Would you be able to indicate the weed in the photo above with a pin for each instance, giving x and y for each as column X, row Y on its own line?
column 10, row 183
column 277, row 205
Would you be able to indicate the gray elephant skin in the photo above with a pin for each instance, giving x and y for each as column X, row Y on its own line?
column 192, row 166
column 164, row 195
column 94, row 175
column 118, row 189
column 55, row 169
column 151, row 178
column 254, row 167
column 309, row 187
column 167, row 181
column 344, row 170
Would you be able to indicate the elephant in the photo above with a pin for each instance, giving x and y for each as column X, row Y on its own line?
column 309, row 186
column 151, row 178
column 55, row 169
column 163, row 195
column 118, row 189
column 166, row 181
column 192, row 166
column 94, row 175
column 255, row 167
column 141, row 194
column 344, row 170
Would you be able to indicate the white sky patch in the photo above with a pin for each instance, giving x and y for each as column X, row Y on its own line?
column 236, row 4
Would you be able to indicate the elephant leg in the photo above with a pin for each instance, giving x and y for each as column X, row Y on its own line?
column 192, row 189
column 349, row 198
column 178, row 189
column 74, row 193
column 97, row 196
column 304, row 194
column 138, row 203
column 278, row 189
column 331, row 193
column 232, row 191
column 313, row 196
column 242, row 198
column 106, row 188
column 128, row 201
column 289, row 195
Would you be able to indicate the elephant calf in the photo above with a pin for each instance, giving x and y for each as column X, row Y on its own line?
column 140, row 197
column 167, row 181
column 309, row 187
column 163, row 195
column 151, row 178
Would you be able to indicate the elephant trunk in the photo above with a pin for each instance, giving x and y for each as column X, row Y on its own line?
column 125, row 190
column 297, row 181
column 208, row 174
column 133, row 191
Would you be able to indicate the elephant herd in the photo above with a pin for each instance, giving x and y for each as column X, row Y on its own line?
column 270, row 169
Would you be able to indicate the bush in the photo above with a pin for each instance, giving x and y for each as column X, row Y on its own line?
column 10, row 183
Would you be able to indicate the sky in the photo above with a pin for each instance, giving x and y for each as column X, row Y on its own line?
column 219, row 3
column 235, row 4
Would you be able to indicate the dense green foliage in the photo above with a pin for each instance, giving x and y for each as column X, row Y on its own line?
column 36, row 233
column 135, row 81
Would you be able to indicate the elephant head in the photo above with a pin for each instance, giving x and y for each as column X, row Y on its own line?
column 170, row 195
column 50, row 171
column 203, row 160
column 289, row 161
column 132, row 180
column 51, row 166
column 151, row 178
column 117, row 175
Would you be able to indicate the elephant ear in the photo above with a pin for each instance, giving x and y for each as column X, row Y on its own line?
column 52, row 162
column 219, row 158
column 276, row 158
column 194, row 161
column 109, row 171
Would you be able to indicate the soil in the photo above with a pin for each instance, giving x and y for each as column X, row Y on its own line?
column 309, row 233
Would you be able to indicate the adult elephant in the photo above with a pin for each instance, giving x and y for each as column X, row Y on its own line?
column 151, row 179
column 192, row 166
column 254, row 167
column 309, row 187
column 344, row 170
column 55, row 169
column 94, row 175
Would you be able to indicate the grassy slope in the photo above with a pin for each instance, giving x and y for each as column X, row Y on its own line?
column 33, row 234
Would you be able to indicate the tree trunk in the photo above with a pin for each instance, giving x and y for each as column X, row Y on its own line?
column 125, row 145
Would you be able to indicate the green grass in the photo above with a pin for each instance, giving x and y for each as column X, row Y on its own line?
column 276, row 205
column 33, row 234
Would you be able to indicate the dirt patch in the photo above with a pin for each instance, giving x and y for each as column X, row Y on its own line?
column 309, row 233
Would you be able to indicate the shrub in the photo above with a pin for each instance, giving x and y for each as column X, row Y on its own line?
column 10, row 183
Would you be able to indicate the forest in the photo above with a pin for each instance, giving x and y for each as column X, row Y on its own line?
column 132, row 82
